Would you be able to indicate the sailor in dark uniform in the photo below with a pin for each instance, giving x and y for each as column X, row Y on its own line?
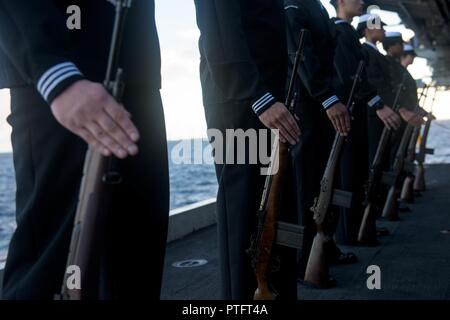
column 58, row 104
column 383, row 74
column 320, row 110
column 354, row 163
column 407, row 59
column 393, row 44
column 408, row 56
column 371, row 28
column 378, row 72
column 243, row 74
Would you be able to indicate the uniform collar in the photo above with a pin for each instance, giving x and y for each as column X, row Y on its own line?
column 370, row 44
column 342, row 21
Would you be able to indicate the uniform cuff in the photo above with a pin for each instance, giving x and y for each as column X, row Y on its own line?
column 330, row 102
column 374, row 102
column 56, row 79
column 263, row 103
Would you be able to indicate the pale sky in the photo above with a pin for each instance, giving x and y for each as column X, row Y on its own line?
column 181, row 86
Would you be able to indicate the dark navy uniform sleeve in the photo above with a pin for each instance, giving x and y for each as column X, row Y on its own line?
column 369, row 91
column 411, row 100
column 317, row 80
column 399, row 74
column 40, row 54
column 224, row 45
column 348, row 55
column 378, row 73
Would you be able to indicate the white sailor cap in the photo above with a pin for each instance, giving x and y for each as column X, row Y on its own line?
column 409, row 49
column 393, row 34
column 392, row 38
column 369, row 21
column 370, row 17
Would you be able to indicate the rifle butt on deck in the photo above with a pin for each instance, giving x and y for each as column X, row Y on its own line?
column 317, row 269
column 367, row 234
column 266, row 239
column 419, row 182
column 88, row 227
column 390, row 209
column 407, row 194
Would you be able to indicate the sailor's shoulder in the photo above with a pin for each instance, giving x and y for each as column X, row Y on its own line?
column 300, row 4
column 293, row 5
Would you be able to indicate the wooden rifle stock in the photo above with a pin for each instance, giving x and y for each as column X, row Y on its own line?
column 317, row 268
column 99, row 176
column 419, row 183
column 262, row 243
column 390, row 210
column 407, row 193
column 367, row 230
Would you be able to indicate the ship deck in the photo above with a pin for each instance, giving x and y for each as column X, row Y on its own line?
column 414, row 260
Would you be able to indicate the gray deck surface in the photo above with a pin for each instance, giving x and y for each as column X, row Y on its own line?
column 414, row 259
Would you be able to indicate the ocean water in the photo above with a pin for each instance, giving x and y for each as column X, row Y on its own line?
column 7, row 206
column 189, row 183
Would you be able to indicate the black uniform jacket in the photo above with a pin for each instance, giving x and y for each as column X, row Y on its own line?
column 411, row 100
column 37, row 47
column 346, row 60
column 316, row 69
column 408, row 95
column 378, row 73
column 243, row 51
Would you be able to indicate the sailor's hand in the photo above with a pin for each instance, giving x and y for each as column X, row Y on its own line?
column 389, row 117
column 279, row 117
column 340, row 118
column 89, row 111
column 411, row 117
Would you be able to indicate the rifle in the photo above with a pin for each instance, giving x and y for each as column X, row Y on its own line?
column 268, row 229
column 317, row 268
column 390, row 210
column 407, row 194
column 99, row 177
column 419, row 183
column 367, row 230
